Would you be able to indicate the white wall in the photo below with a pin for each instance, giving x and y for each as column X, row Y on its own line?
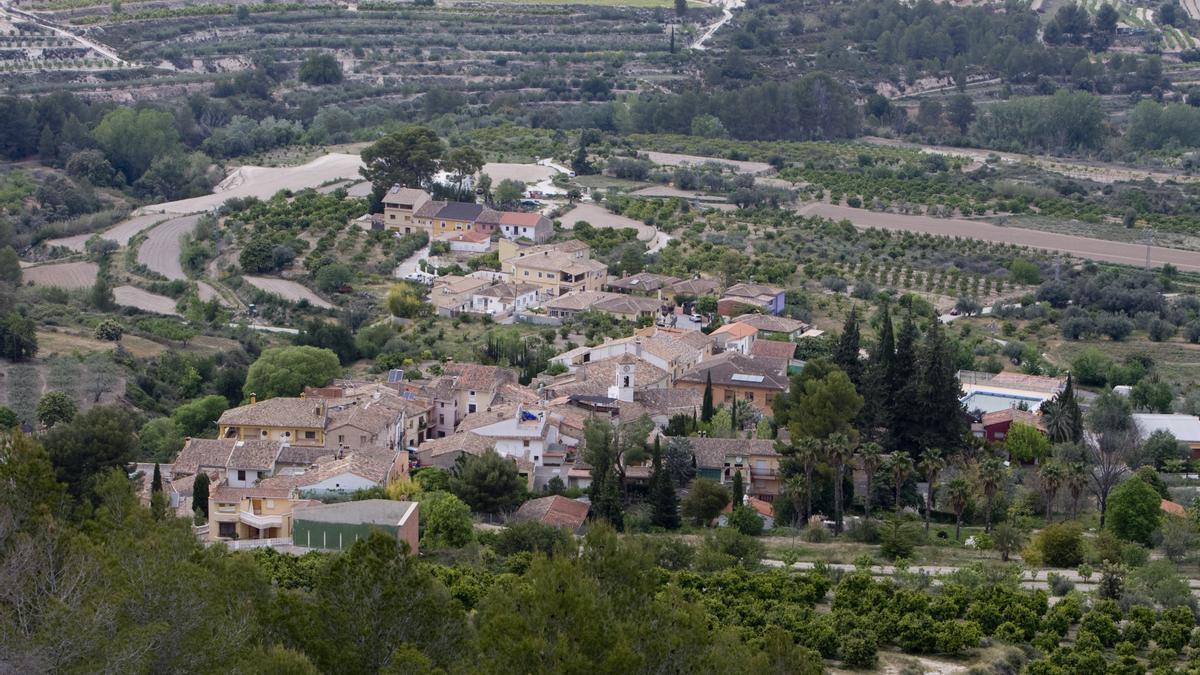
column 345, row 482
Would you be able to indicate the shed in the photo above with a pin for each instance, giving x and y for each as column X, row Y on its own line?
column 335, row 527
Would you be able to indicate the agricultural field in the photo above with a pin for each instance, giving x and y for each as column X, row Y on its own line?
column 72, row 275
column 288, row 290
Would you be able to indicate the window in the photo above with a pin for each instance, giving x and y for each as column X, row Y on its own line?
column 341, row 439
column 470, row 393
column 749, row 396
column 525, row 442
column 226, row 530
column 310, row 435
column 241, row 474
column 471, row 407
column 391, row 216
column 362, row 440
column 441, row 419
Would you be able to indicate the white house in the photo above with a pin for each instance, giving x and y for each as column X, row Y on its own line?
column 504, row 298
column 528, row 435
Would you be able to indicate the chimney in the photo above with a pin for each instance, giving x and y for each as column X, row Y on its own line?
column 253, row 398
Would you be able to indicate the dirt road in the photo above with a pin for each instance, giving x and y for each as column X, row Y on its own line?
column 674, row 159
column 160, row 251
column 1082, row 247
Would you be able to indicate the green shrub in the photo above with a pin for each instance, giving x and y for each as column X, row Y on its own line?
column 1060, row 544
column 858, row 649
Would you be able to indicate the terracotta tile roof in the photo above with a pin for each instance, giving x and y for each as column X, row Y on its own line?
column 579, row 300
column 555, row 510
column 405, row 196
column 772, row 323
column 522, row 218
column 225, row 493
column 695, row 287
column 735, row 369
column 736, row 330
column 711, row 452
column 460, row 441
column 477, row 377
column 752, row 291
column 375, row 467
column 300, row 455
column 258, row 455
column 198, row 453
column 471, row 237
column 764, row 508
column 628, row 304
column 277, row 412
column 643, row 281
column 773, row 349
column 1013, row 415
column 669, row 401
column 507, row 291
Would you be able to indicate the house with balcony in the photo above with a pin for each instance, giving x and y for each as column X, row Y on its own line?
column 756, row 460
column 504, row 298
column 735, row 337
column 462, row 389
column 516, row 225
column 253, row 512
column 294, row 421
column 556, row 269
column 400, row 206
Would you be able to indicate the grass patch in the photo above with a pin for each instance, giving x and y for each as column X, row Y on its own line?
column 1177, row 362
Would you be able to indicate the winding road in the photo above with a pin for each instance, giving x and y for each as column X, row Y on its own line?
column 727, row 7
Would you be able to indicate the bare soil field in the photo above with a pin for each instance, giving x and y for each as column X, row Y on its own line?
column 672, row 159
column 526, row 173
column 132, row 296
column 121, row 233
column 160, row 251
column 598, row 216
column 665, row 191
column 288, row 290
column 70, row 275
column 1083, row 247
column 263, row 182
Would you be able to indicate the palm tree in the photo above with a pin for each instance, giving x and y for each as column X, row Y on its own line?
column 1051, row 475
column 837, row 450
column 958, row 492
column 870, row 457
column 1077, row 481
column 931, row 465
column 808, row 453
column 992, row 474
column 901, row 467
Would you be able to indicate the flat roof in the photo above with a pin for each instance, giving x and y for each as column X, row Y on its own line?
column 363, row 512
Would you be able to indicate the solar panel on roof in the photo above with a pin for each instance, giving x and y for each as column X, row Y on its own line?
column 395, row 375
column 408, row 395
column 741, row 377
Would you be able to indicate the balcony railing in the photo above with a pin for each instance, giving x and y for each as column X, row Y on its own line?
column 259, row 520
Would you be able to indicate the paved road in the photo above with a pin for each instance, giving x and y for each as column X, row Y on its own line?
column 727, row 7
column 160, row 251
column 1083, row 247
column 411, row 263
column 120, row 233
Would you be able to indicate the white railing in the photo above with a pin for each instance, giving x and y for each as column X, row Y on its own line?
column 255, row 520
column 243, row 544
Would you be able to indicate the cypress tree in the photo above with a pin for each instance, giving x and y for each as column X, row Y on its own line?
column 877, row 387
column 664, row 503
column 200, row 493
column 904, row 425
column 845, row 355
column 156, row 482
column 706, row 408
column 733, row 424
column 938, row 398
column 739, row 490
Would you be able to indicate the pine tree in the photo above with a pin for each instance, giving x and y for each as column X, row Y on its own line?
column 156, row 482
column 845, row 355
column 706, row 408
column 605, row 490
column 664, row 503
column 739, row 490
column 200, row 493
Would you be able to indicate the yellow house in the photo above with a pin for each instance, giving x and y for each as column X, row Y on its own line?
column 439, row 218
column 400, row 206
column 292, row 421
column 250, row 513
column 557, row 272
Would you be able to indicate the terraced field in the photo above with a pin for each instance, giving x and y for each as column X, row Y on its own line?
column 132, row 296
column 72, row 275
column 288, row 290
